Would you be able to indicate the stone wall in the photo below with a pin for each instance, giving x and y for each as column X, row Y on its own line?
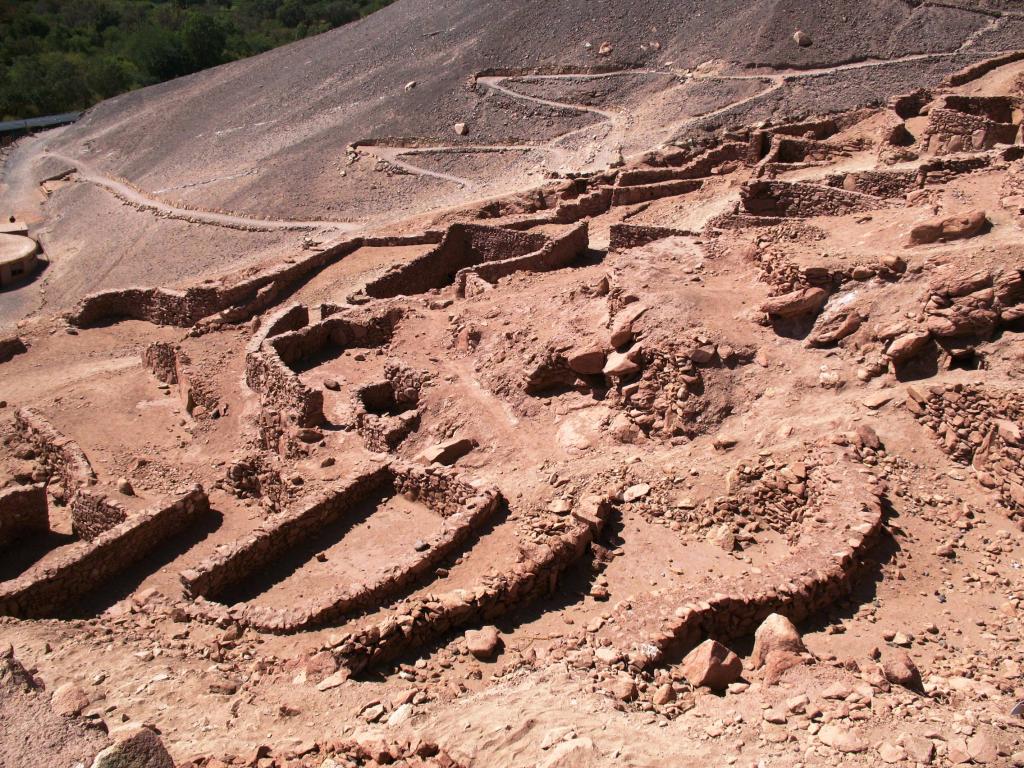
column 464, row 508
column 234, row 562
column 981, row 68
column 463, row 246
column 819, row 571
column 887, row 184
column 980, row 427
column 623, row 236
column 952, row 130
column 696, row 168
column 220, row 302
column 288, row 405
column 161, row 358
column 557, row 542
column 79, row 568
column 794, row 199
column 11, row 346
column 172, row 365
column 64, row 459
column 22, row 513
column 554, row 254
column 386, row 410
column 92, row 514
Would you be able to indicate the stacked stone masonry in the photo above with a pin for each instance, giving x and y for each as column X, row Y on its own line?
column 22, row 513
column 463, row 507
column 982, row 427
column 79, row 568
column 93, row 513
column 414, row 623
column 64, row 459
column 820, row 569
column 795, row 199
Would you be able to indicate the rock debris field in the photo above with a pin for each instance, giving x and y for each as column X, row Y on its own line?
column 701, row 446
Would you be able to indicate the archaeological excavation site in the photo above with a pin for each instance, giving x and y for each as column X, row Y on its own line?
column 533, row 384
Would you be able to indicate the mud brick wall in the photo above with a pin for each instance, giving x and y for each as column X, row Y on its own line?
column 92, row 514
column 234, row 562
column 980, row 427
column 79, row 568
column 555, row 254
column 22, row 513
column 476, row 507
column 11, row 346
column 464, row 245
column 950, row 131
column 414, row 623
column 780, row 198
column 64, row 459
column 819, row 571
column 623, row 236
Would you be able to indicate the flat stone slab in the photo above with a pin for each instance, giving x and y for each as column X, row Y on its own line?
column 13, row 228
column 15, row 247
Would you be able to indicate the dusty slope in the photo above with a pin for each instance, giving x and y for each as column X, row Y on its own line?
column 267, row 138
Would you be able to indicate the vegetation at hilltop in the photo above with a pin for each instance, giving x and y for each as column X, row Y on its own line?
column 65, row 55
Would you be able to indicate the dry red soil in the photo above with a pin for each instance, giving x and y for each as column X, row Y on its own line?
column 706, row 452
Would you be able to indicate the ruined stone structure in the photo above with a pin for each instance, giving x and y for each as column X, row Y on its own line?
column 462, row 506
column 22, row 513
column 76, row 569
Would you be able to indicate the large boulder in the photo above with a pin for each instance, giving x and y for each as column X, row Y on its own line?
column 587, row 360
column 711, row 665
column 776, row 633
column 805, row 301
column 137, row 748
column 69, row 700
column 907, row 346
column 483, row 643
column 954, row 227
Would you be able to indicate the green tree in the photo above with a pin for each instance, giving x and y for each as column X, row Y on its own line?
column 204, row 41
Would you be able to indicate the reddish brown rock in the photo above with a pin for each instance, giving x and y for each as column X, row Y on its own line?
column 711, row 665
column 954, row 227
column 776, row 633
column 587, row 360
column 140, row 748
column 900, row 669
column 806, row 301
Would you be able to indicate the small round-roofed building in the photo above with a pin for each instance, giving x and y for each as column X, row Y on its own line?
column 17, row 258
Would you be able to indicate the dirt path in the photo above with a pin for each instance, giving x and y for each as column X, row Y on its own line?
column 145, row 201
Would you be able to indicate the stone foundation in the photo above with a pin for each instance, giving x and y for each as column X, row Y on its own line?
column 979, row 427
column 558, row 542
column 64, row 459
column 793, row 199
column 555, row 254
column 386, row 411
column 93, row 514
column 22, row 513
column 845, row 515
column 463, row 506
column 288, row 406
column 77, row 569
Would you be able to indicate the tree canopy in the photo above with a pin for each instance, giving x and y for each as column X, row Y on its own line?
column 65, row 55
